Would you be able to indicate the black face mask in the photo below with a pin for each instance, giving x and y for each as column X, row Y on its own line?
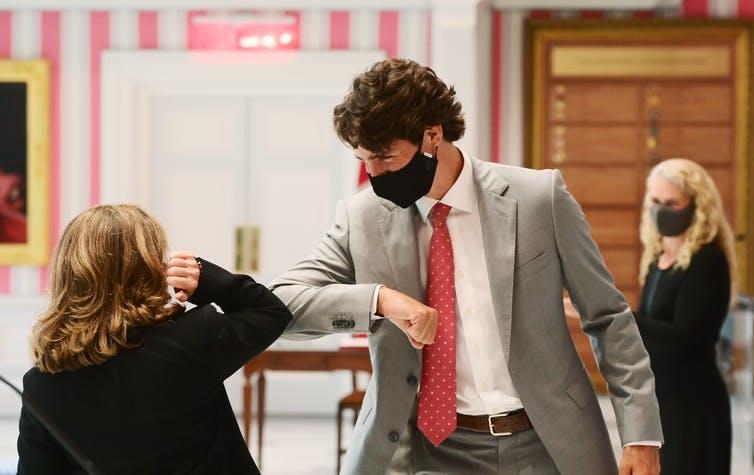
column 670, row 222
column 403, row 187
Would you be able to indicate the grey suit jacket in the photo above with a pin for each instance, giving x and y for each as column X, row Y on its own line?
column 536, row 243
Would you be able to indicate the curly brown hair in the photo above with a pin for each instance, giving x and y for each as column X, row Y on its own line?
column 108, row 276
column 397, row 99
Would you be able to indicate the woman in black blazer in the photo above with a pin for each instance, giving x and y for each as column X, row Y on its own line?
column 133, row 381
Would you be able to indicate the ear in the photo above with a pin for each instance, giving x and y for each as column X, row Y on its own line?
column 433, row 136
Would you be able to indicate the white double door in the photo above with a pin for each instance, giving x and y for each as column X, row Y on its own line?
column 223, row 161
column 212, row 143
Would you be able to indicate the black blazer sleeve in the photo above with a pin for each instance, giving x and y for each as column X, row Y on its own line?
column 252, row 319
column 701, row 304
column 38, row 452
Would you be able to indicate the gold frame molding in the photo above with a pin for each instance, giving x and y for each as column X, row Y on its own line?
column 539, row 33
column 36, row 75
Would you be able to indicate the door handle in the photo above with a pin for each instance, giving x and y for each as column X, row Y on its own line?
column 247, row 249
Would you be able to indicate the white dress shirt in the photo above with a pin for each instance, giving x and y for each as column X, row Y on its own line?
column 484, row 384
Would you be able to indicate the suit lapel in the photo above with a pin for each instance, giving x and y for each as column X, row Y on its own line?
column 498, row 216
column 398, row 230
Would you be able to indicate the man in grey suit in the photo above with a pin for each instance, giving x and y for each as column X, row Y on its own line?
column 456, row 267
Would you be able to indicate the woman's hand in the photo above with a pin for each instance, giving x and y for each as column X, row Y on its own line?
column 183, row 274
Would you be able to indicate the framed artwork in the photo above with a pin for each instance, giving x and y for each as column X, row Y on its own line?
column 24, row 162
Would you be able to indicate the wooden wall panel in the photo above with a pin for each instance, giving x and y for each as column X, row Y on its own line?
column 683, row 102
column 632, row 297
column 624, row 265
column 708, row 145
column 602, row 186
column 594, row 102
column 613, row 227
column 586, row 353
column 724, row 180
column 597, row 145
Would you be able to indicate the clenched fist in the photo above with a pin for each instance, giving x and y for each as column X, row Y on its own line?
column 183, row 274
column 415, row 319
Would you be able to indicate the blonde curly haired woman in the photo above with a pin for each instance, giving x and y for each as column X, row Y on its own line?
column 131, row 380
column 688, row 273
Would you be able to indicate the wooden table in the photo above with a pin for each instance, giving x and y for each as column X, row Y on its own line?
column 352, row 359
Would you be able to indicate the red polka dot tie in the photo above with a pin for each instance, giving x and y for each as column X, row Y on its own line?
column 436, row 416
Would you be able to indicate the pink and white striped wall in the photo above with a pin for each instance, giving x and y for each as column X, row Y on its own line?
column 74, row 40
column 503, row 70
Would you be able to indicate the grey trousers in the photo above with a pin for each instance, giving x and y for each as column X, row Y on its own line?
column 473, row 453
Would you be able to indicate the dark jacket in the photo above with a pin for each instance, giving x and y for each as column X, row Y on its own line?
column 161, row 407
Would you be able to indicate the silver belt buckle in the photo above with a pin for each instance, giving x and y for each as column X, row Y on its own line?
column 492, row 425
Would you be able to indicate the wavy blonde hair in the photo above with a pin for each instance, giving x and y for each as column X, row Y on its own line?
column 709, row 223
column 107, row 276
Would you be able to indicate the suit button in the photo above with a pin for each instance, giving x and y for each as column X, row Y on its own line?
column 411, row 380
column 393, row 436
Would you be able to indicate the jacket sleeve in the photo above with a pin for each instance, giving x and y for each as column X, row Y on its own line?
column 700, row 307
column 606, row 316
column 321, row 290
column 252, row 317
column 38, row 452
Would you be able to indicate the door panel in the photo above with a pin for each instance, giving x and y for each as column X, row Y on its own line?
column 602, row 186
column 594, row 145
column 594, row 102
column 298, row 169
column 723, row 178
column 708, row 145
column 624, row 265
column 686, row 103
column 195, row 149
column 613, row 227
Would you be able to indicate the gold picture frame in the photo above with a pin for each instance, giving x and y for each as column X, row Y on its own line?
column 541, row 34
column 25, row 162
